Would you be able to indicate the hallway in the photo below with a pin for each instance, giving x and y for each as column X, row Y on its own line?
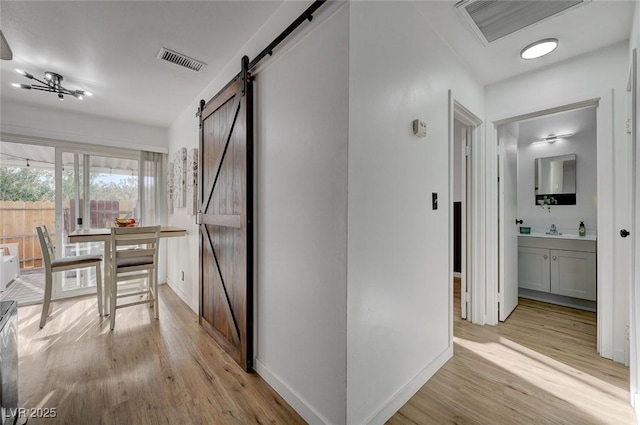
column 540, row 366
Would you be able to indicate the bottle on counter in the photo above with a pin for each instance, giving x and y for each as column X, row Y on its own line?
column 582, row 231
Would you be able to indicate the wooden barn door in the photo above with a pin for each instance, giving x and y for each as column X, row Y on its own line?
column 225, row 220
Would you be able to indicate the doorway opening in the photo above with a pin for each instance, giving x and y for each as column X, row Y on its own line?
column 548, row 210
column 465, row 134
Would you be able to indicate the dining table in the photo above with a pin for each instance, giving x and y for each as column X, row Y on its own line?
column 104, row 235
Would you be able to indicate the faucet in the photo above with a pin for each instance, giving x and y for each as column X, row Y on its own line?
column 553, row 230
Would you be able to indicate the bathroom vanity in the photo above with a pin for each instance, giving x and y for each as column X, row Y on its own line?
column 560, row 269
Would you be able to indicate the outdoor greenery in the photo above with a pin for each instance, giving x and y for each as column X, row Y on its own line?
column 38, row 184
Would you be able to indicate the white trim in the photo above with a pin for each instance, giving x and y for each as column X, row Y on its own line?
column 307, row 412
column 635, row 402
column 606, row 234
column 19, row 134
column 404, row 394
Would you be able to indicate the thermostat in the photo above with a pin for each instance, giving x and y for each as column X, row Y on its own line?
column 419, row 128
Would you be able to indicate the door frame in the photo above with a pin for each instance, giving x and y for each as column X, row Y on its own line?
column 606, row 237
column 472, row 253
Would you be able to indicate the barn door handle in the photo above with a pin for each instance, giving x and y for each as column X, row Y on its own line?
column 519, row 221
column 624, row 233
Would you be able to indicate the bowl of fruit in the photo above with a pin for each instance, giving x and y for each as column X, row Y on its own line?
column 127, row 222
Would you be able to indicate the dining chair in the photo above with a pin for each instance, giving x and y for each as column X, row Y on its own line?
column 53, row 265
column 134, row 255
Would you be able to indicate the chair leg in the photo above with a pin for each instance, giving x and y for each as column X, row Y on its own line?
column 156, row 301
column 99, row 289
column 114, row 295
column 46, row 305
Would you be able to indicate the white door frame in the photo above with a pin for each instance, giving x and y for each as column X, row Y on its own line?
column 474, row 255
column 606, row 233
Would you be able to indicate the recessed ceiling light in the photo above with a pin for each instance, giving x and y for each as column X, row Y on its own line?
column 539, row 48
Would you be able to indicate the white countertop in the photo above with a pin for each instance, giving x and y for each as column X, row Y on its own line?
column 562, row 236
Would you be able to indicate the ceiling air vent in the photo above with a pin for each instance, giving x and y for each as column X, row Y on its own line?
column 180, row 59
column 492, row 20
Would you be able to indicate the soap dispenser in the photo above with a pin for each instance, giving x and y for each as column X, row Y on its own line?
column 582, row 231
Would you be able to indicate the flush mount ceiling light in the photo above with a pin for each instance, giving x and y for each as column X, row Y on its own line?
column 552, row 138
column 52, row 84
column 539, row 48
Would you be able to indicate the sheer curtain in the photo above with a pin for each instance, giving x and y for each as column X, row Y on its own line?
column 152, row 187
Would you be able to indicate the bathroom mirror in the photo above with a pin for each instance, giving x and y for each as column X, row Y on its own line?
column 555, row 177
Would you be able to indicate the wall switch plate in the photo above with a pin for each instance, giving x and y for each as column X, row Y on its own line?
column 434, row 200
column 419, row 128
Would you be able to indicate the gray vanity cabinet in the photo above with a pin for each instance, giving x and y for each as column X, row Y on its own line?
column 564, row 267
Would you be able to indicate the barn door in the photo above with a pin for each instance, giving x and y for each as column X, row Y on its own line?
column 225, row 220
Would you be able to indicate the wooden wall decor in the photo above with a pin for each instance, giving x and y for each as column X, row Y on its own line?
column 192, row 181
column 179, row 177
column 170, row 185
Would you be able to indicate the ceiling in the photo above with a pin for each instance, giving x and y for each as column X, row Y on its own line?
column 589, row 27
column 110, row 47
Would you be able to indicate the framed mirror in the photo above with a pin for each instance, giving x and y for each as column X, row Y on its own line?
column 555, row 178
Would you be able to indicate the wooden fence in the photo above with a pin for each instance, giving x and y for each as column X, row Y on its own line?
column 19, row 219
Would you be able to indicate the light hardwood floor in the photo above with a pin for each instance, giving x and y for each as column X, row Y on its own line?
column 538, row 367
column 146, row 371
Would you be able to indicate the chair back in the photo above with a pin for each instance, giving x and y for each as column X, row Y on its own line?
column 138, row 247
column 48, row 254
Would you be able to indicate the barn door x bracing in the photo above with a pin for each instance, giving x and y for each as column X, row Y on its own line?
column 225, row 219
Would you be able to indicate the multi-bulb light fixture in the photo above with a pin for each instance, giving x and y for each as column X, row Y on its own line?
column 52, row 83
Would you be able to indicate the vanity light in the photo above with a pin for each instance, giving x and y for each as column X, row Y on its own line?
column 539, row 48
column 552, row 138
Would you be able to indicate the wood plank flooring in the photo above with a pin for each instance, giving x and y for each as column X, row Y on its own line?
column 539, row 367
column 146, row 371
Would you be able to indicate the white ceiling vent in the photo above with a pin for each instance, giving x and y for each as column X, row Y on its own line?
column 180, row 59
column 492, row 20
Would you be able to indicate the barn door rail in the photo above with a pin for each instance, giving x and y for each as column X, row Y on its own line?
column 307, row 15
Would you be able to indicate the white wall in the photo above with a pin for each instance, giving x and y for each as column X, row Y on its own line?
column 301, row 146
column 398, row 247
column 39, row 121
column 600, row 74
column 582, row 123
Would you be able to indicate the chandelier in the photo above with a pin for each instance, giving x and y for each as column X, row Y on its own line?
column 52, row 83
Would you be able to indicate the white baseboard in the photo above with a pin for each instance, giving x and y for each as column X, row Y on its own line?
column 192, row 305
column 402, row 396
column 307, row 412
column 619, row 356
column 636, row 406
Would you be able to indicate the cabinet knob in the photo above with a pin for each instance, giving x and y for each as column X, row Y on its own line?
column 545, row 256
column 555, row 258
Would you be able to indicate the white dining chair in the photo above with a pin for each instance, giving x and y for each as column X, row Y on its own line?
column 134, row 255
column 53, row 265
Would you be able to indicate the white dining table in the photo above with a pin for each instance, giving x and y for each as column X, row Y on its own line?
column 104, row 235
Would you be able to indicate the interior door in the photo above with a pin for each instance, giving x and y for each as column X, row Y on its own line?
column 634, row 265
column 225, row 220
column 507, row 189
column 464, row 258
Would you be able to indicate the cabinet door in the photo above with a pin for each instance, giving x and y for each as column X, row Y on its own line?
column 533, row 269
column 573, row 273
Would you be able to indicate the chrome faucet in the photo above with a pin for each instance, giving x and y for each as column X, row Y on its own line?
column 553, row 230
